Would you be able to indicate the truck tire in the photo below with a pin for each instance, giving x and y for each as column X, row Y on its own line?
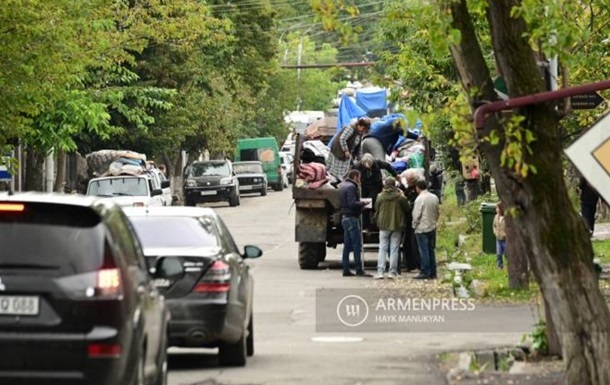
column 321, row 252
column 279, row 186
column 308, row 255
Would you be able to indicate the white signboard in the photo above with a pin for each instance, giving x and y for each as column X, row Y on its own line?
column 591, row 156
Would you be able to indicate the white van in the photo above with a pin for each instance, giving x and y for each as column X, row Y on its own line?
column 130, row 190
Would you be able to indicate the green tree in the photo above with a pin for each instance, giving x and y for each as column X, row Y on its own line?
column 525, row 151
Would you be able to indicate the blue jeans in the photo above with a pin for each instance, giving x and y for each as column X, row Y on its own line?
column 500, row 251
column 426, row 243
column 352, row 242
column 388, row 240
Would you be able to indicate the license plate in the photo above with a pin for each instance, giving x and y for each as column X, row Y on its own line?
column 245, row 187
column 213, row 192
column 19, row 305
column 160, row 282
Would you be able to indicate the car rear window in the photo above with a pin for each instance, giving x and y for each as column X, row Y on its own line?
column 60, row 239
column 174, row 232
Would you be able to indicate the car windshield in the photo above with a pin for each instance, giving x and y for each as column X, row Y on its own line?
column 248, row 168
column 210, row 169
column 113, row 187
column 170, row 232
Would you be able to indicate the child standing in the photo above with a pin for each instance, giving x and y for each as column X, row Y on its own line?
column 500, row 233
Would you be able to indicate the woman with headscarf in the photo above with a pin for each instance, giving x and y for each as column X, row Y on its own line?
column 344, row 147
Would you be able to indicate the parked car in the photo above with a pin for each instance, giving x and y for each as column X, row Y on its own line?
column 164, row 184
column 132, row 190
column 266, row 151
column 208, row 286
column 251, row 176
column 210, row 181
column 287, row 160
column 77, row 304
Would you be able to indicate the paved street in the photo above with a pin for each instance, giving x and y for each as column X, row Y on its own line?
column 284, row 316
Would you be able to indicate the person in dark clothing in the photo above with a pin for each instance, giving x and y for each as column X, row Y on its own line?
column 588, row 203
column 410, row 251
column 372, row 181
column 351, row 209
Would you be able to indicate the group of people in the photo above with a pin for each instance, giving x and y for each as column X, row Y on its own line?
column 404, row 211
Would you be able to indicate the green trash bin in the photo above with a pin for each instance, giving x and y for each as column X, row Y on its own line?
column 488, row 211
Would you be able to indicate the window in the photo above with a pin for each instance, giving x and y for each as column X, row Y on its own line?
column 186, row 232
column 210, row 169
column 113, row 187
column 61, row 239
column 248, row 168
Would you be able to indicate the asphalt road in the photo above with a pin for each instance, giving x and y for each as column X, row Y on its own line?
column 287, row 349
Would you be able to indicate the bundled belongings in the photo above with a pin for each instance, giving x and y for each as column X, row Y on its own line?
column 116, row 162
column 314, row 174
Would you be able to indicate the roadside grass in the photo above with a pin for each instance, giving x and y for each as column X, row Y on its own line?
column 465, row 222
column 601, row 250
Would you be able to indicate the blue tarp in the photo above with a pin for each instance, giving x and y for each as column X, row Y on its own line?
column 370, row 99
column 348, row 110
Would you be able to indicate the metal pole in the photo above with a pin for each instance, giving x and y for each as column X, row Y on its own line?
column 49, row 171
column 481, row 112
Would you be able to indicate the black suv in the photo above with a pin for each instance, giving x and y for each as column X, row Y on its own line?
column 210, row 181
column 77, row 304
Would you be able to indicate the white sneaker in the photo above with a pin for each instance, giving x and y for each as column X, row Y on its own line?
column 379, row 276
column 392, row 276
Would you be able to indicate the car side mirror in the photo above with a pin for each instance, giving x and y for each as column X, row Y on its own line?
column 156, row 192
column 251, row 252
column 165, row 184
column 168, row 268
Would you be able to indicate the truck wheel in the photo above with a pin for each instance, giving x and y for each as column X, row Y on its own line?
column 321, row 252
column 308, row 255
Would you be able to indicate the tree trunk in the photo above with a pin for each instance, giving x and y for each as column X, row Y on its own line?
column 176, row 175
column 559, row 250
column 34, row 176
column 552, row 337
column 60, row 178
column 516, row 256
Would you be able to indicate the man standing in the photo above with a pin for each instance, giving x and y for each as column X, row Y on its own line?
column 371, row 175
column 351, row 209
column 390, row 208
column 425, row 216
column 410, row 251
column 588, row 203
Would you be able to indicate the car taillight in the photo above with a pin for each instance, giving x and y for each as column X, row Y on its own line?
column 104, row 350
column 108, row 283
column 138, row 204
column 216, row 280
column 12, row 207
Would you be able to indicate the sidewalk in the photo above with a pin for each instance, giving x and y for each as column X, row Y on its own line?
column 602, row 231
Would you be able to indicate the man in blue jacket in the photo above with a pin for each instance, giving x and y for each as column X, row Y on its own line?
column 351, row 209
